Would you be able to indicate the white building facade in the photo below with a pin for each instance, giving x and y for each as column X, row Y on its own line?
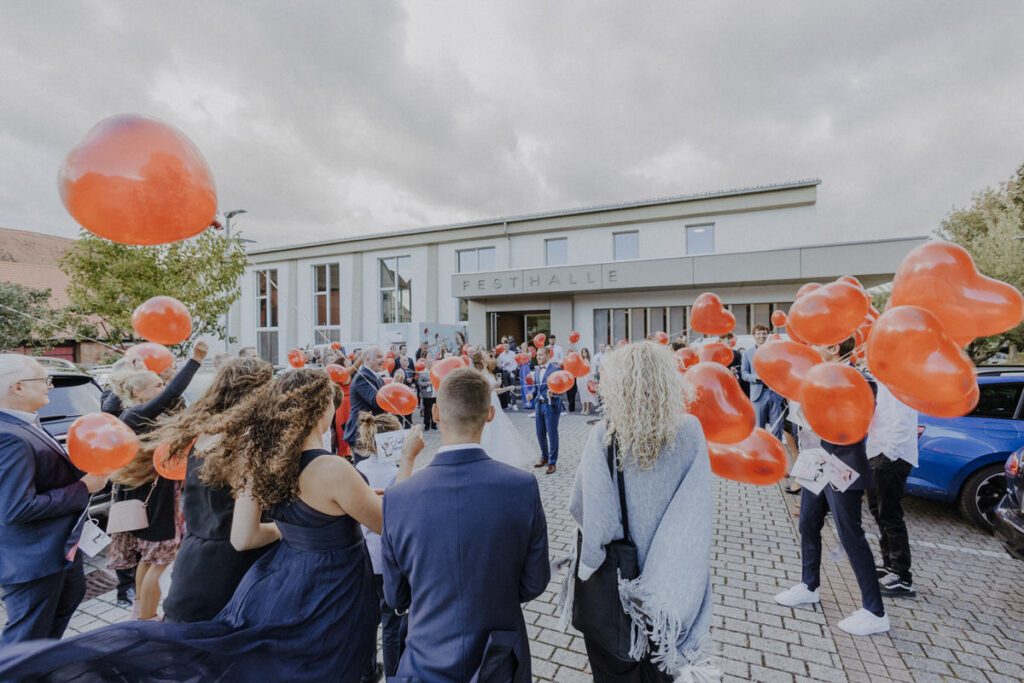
column 610, row 272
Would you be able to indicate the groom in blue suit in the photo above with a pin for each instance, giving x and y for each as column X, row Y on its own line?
column 768, row 405
column 549, row 409
column 464, row 544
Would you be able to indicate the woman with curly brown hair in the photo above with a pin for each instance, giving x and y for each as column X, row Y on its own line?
column 208, row 569
column 306, row 610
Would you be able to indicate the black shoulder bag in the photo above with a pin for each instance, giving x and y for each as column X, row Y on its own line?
column 597, row 611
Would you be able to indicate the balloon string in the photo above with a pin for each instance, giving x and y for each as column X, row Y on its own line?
column 60, row 329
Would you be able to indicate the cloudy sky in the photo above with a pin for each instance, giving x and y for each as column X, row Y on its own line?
column 337, row 118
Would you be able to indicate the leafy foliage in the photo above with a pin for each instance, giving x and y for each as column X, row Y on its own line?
column 990, row 230
column 17, row 329
column 108, row 281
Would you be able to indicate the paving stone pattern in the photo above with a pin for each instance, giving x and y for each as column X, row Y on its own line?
column 964, row 625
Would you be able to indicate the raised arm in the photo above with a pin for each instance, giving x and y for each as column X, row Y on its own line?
column 175, row 388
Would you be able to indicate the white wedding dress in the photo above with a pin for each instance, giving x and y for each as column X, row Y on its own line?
column 502, row 440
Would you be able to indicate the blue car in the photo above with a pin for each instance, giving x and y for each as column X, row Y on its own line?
column 962, row 458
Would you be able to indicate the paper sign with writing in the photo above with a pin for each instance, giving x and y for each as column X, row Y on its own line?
column 389, row 445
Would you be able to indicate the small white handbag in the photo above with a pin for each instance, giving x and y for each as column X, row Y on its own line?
column 129, row 515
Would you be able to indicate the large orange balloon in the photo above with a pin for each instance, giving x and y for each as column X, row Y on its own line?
column 575, row 365
column 397, row 399
column 155, row 357
column 710, row 317
column 168, row 466
column 941, row 277
column 715, row 352
column 829, row 314
column 296, row 358
column 725, row 413
column 685, row 357
column 560, row 382
column 441, row 368
column 910, row 352
column 782, row 365
column 574, row 337
column 779, row 318
column 135, row 180
column 759, row 459
column 539, row 340
column 162, row 319
column 837, row 402
column 338, row 373
column 99, row 443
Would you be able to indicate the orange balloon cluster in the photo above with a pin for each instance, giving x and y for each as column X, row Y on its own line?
column 942, row 278
column 155, row 357
column 441, row 368
column 168, row 466
column 910, row 352
column 828, row 314
column 837, row 402
column 574, row 337
column 783, row 364
column 709, row 316
column 715, row 352
column 296, row 358
column 575, row 365
column 397, row 399
column 163, row 320
column 99, row 443
column 759, row 459
column 338, row 373
column 135, row 180
column 724, row 411
column 560, row 382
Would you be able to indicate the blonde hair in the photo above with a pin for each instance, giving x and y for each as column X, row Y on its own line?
column 643, row 395
column 127, row 382
column 371, row 425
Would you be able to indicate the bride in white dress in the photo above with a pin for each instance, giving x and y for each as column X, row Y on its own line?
column 501, row 439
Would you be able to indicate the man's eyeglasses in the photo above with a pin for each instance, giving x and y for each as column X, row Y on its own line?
column 48, row 380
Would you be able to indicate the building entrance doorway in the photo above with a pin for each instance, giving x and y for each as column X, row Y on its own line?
column 520, row 325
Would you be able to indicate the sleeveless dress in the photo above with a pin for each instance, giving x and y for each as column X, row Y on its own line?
column 306, row 611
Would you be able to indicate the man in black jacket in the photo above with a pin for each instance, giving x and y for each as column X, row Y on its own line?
column 363, row 395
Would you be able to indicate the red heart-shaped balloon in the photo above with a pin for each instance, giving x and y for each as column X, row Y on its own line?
column 783, row 364
column 837, row 402
column 779, row 318
column 155, row 357
column 296, row 358
column 338, row 373
column 708, row 315
column 715, row 352
column 809, row 287
column 725, row 413
column 397, row 399
column 441, row 368
column 759, row 459
column 829, row 314
column 941, row 277
column 910, row 352
column 661, row 338
column 686, row 357
column 575, row 365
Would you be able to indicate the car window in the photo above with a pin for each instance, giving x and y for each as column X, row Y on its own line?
column 71, row 397
column 998, row 400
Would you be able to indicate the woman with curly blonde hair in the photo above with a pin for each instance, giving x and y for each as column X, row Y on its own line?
column 648, row 445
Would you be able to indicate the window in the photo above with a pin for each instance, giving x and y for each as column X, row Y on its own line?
column 463, row 311
column 476, row 260
column 396, row 289
column 742, row 314
column 556, row 252
column 627, row 245
column 612, row 325
column 997, row 401
column 326, row 303
column 700, row 239
column 266, row 314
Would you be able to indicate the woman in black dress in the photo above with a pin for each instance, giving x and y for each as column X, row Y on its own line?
column 208, row 569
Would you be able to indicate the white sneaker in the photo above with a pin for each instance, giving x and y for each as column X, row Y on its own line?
column 864, row 623
column 798, row 595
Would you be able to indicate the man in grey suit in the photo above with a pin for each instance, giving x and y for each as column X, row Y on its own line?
column 767, row 404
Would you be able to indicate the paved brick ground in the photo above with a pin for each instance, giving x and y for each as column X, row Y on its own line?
column 963, row 626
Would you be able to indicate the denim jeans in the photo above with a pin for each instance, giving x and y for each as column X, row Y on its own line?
column 885, row 500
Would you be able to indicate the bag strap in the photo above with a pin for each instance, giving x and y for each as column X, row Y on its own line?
column 152, row 488
column 620, row 477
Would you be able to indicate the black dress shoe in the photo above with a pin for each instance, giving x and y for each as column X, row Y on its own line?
column 540, row 463
column 378, row 672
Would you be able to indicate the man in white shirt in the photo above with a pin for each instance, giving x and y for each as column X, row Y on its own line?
column 557, row 353
column 892, row 453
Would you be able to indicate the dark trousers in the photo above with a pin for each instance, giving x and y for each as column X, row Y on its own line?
column 570, row 397
column 125, row 582
column 768, row 408
column 42, row 608
column 428, row 415
column 846, row 511
column 546, row 421
column 885, row 500
column 607, row 668
column 393, row 631
column 506, row 381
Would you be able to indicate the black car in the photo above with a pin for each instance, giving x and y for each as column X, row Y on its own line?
column 74, row 393
column 1009, row 514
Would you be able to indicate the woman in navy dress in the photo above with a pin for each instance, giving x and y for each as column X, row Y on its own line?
column 307, row 610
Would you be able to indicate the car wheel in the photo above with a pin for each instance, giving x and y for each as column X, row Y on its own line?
column 981, row 494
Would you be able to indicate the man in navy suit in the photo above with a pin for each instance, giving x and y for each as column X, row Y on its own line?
column 767, row 404
column 548, row 410
column 464, row 544
column 363, row 394
column 42, row 501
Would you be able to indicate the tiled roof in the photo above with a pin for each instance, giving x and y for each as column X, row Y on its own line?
column 21, row 246
column 38, row 277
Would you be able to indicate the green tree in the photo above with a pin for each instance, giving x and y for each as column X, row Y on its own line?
column 108, row 280
column 23, row 315
column 991, row 230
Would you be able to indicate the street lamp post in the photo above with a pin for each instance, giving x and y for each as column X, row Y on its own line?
column 227, row 234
